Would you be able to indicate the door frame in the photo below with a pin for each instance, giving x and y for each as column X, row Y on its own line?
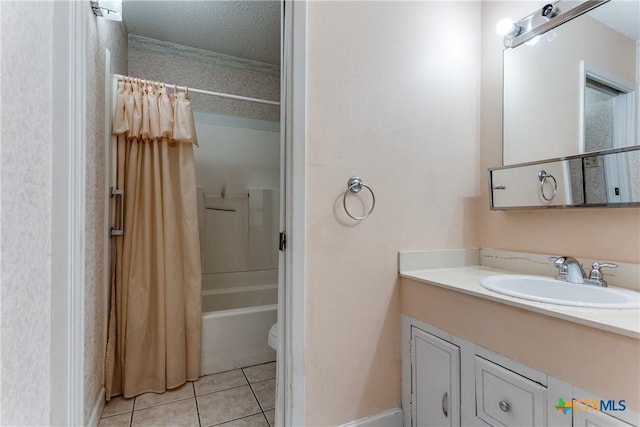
column 624, row 105
column 68, row 214
column 290, row 408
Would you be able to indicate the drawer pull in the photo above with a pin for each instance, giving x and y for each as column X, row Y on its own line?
column 445, row 404
column 504, row 406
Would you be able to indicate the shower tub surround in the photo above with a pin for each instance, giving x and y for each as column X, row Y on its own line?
column 239, row 279
column 237, row 311
column 237, row 171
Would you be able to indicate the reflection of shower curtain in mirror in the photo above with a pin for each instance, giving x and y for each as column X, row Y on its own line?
column 154, row 317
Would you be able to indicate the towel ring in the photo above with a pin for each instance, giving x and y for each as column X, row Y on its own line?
column 354, row 185
column 543, row 176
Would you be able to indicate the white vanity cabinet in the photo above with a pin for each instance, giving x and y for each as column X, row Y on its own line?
column 447, row 381
column 439, row 373
column 435, row 379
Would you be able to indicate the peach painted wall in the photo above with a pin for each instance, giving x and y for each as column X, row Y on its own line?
column 392, row 96
column 607, row 234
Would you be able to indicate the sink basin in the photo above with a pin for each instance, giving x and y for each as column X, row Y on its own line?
column 543, row 289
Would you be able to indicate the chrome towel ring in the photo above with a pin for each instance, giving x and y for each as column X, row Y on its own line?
column 543, row 176
column 354, row 185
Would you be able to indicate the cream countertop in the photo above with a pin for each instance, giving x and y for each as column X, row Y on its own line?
column 467, row 280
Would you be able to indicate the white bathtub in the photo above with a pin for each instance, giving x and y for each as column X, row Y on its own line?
column 235, row 324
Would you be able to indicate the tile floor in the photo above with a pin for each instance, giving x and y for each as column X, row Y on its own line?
column 239, row 398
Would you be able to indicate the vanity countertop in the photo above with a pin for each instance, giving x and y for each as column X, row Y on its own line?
column 467, row 280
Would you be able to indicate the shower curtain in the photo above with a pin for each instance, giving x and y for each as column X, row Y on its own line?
column 154, row 337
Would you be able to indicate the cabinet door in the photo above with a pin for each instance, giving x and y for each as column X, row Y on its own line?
column 435, row 380
column 582, row 417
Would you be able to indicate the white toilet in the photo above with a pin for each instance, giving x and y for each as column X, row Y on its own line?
column 272, row 340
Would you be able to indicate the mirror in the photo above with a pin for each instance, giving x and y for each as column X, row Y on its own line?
column 606, row 178
column 574, row 89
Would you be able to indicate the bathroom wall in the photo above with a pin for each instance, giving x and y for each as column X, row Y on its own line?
column 393, row 96
column 175, row 64
column 610, row 234
column 26, row 195
column 100, row 35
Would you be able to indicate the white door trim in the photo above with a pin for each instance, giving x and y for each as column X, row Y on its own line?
column 625, row 105
column 68, row 214
column 290, row 409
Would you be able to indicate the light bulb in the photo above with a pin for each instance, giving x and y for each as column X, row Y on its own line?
column 505, row 26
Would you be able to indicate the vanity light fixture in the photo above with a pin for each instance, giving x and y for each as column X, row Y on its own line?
column 506, row 27
column 108, row 9
column 547, row 18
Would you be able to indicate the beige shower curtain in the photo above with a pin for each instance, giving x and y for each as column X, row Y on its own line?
column 154, row 318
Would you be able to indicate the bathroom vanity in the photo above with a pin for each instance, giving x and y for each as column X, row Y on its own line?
column 471, row 356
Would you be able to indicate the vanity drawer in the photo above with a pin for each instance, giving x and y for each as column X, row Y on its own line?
column 504, row 398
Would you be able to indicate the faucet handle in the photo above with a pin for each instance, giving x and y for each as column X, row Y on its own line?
column 559, row 263
column 599, row 265
column 557, row 260
column 596, row 274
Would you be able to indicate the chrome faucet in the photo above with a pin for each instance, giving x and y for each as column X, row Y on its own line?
column 570, row 270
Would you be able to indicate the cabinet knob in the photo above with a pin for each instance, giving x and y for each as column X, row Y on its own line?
column 504, row 406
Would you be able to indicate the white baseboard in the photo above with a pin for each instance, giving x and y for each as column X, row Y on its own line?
column 96, row 411
column 390, row 418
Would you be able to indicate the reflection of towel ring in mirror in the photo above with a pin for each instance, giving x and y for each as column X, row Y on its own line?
column 354, row 185
column 543, row 176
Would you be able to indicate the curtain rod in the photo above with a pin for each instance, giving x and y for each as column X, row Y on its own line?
column 208, row 92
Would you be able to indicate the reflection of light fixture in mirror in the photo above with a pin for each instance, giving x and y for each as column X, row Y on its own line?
column 533, row 41
column 108, row 9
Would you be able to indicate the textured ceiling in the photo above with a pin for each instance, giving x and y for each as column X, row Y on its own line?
column 246, row 29
column 251, row 29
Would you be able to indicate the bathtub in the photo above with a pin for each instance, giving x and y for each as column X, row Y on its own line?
column 237, row 312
